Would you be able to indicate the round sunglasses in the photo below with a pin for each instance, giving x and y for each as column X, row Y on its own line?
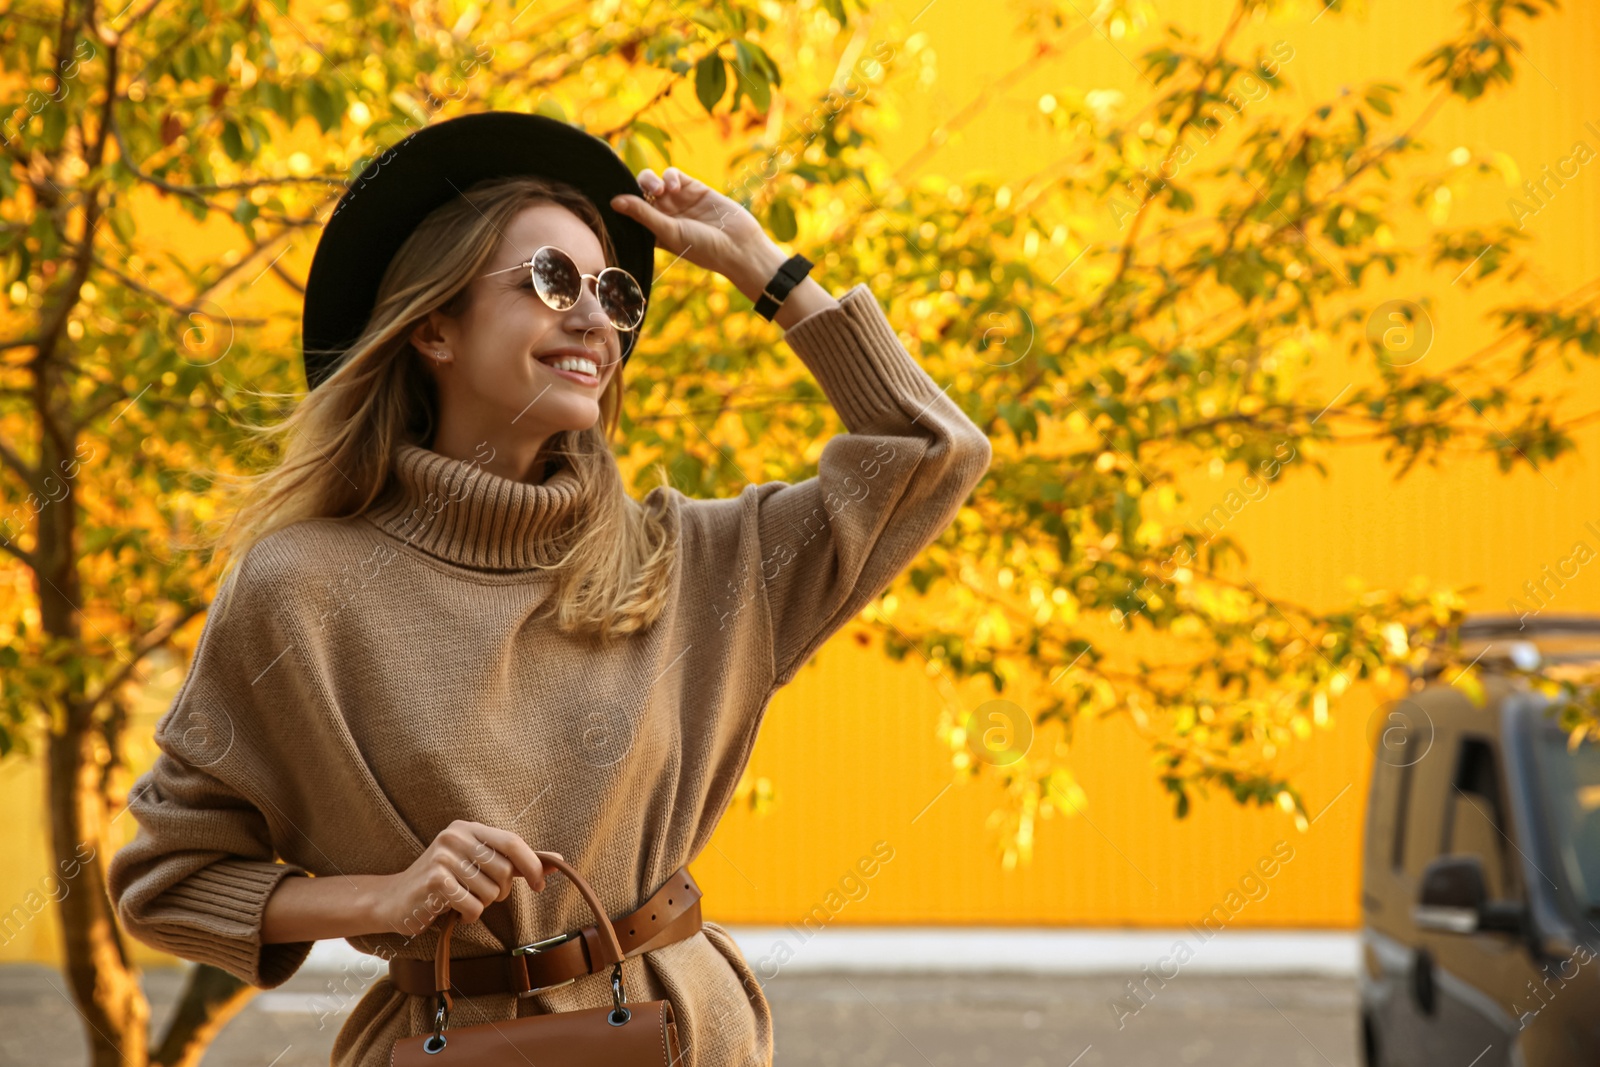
column 559, row 283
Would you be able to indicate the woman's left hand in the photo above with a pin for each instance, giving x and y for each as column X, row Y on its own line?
column 693, row 220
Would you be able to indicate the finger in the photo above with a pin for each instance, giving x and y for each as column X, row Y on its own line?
column 501, row 872
column 649, row 182
column 491, row 862
column 472, row 890
column 485, row 855
column 518, row 851
column 474, row 869
column 494, row 845
column 470, row 904
column 665, row 227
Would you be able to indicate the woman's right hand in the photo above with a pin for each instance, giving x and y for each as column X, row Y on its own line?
column 468, row 866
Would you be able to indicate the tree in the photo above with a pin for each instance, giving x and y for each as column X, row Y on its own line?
column 129, row 359
column 1152, row 303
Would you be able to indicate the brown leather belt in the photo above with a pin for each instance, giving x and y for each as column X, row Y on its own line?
column 671, row 914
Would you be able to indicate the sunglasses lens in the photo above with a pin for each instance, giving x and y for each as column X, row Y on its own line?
column 621, row 297
column 556, row 278
column 559, row 283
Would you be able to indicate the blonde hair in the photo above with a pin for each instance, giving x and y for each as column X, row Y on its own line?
column 338, row 443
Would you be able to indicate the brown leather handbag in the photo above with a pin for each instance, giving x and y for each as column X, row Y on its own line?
column 640, row 1034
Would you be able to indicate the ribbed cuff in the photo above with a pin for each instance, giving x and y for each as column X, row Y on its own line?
column 861, row 365
column 224, row 903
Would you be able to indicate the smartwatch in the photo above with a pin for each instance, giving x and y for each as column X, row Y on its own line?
column 791, row 274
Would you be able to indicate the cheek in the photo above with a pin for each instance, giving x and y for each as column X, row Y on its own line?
column 499, row 345
column 528, row 329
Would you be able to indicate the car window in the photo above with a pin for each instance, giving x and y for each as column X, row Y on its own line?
column 1475, row 820
column 1569, row 777
column 1402, row 815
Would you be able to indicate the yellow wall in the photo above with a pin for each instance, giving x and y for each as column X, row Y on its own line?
column 849, row 744
column 854, row 769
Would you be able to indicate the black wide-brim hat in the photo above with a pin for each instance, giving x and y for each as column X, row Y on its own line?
column 427, row 169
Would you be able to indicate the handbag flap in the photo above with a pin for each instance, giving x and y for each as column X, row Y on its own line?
column 584, row 1038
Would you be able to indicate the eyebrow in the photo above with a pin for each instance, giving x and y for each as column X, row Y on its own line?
column 525, row 261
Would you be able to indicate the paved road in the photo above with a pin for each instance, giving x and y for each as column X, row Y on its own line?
column 840, row 1020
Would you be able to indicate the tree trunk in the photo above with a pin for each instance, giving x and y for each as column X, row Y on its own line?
column 210, row 998
column 105, row 986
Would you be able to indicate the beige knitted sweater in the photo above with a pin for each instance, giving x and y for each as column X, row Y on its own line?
column 377, row 677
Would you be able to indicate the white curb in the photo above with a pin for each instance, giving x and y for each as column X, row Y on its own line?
column 774, row 950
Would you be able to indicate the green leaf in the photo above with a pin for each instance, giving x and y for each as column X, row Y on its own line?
column 764, row 62
column 655, row 135
column 632, row 154
column 781, row 217
column 752, row 75
column 710, row 80
column 760, row 92
column 55, row 125
column 550, row 107
column 232, row 141
column 325, row 108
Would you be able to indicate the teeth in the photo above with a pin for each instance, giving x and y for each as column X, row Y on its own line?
column 576, row 363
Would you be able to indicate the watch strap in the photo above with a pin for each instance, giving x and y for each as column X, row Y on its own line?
column 790, row 274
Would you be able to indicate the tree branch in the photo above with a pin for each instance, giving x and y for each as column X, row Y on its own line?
column 288, row 279
column 27, row 558
column 29, row 474
column 181, row 308
column 147, row 644
column 195, row 192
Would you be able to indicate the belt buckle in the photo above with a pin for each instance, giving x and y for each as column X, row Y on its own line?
column 535, row 947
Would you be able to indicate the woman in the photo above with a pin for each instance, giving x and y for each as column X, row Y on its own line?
column 450, row 637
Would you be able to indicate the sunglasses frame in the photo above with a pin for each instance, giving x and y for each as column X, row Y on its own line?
column 528, row 265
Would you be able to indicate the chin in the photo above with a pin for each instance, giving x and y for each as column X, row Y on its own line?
column 575, row 422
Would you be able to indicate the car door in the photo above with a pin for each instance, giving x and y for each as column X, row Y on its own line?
column 1401, row 1003
column 1477, row 978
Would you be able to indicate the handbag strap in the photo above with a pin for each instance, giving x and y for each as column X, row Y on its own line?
column 670, row 914
column 606, row 950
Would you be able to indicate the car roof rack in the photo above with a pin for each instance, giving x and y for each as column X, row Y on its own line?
column 1525, row 642
column 1506, row 624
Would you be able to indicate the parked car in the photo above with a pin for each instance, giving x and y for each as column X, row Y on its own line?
column 1480, row 892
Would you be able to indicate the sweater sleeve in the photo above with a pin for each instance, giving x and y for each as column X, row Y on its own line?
column 195, row 879
column 883, row 492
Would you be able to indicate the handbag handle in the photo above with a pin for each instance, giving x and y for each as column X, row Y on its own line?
column 610, row 948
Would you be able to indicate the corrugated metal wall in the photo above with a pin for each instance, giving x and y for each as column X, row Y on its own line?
column 850, row 745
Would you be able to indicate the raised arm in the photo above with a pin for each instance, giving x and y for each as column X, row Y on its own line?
column 882, row 493
column 814, row 553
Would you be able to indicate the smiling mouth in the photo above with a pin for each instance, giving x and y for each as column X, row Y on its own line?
column 578, row 368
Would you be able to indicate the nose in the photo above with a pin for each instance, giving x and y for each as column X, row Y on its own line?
column 587, row 317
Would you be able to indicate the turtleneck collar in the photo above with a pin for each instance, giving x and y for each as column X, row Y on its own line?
column 457, row 511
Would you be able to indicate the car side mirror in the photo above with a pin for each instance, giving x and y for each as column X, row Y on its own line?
column 1455, row 899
